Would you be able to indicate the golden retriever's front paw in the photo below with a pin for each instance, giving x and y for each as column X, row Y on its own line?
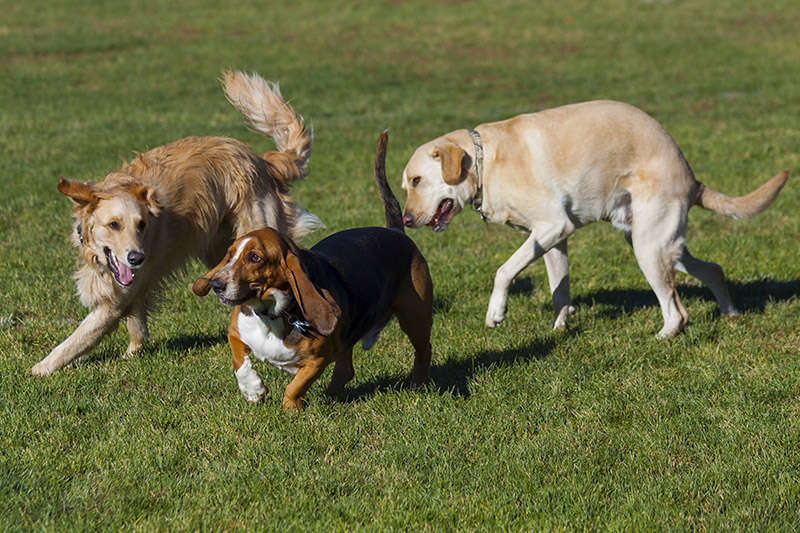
column 131, row 351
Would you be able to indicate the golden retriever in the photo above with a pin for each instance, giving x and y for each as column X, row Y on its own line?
column 189, row 198
column 552, row 172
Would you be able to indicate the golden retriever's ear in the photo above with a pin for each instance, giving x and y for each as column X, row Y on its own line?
column 316, row 303
column 148, row 196
column 81, row 194
column 454, row 161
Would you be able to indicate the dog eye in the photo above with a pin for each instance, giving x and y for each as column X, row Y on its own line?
column 415, row 182
column 255, row 258
column 141, row 225
column 113, row 225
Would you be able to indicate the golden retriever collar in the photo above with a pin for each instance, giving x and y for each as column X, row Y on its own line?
column 552, row 172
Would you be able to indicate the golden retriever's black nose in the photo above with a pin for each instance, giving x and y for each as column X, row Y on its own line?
column 135, row 258
column 217, row 285
column 408, row 220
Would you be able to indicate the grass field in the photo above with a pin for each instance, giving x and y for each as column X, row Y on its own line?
column 598, row 427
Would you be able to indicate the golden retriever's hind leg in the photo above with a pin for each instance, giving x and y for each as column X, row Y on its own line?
column 136, row 322
column 712, row 276
column 97, row 324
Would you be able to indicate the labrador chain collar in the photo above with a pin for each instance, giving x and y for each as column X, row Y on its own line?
column 477, row 201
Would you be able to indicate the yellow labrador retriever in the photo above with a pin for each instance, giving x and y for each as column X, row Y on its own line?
column 555, row 171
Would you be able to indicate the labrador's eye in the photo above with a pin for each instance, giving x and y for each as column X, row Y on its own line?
column 113, row 225
column 142, row 225
column 415, row 181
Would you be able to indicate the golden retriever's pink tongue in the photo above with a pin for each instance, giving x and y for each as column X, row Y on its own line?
column 125, row 274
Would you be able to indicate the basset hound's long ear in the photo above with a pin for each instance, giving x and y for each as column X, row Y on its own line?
column 202, row 285
column 316, row 303
column 81, row 194
column 454, row 160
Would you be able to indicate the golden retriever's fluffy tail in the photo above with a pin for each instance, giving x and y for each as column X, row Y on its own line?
column 267, row 112
column 741, row 206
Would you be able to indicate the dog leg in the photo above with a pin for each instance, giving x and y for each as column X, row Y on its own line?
column 97, row 324
column 342, row 372
column 305, row 377
column 249, row 381
column 136, row 322
column 557, row 262
column 712, row 276
column 657, row 261
column 413, row 308
column 541, row 240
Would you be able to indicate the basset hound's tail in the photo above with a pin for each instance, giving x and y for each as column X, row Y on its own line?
column 391, row 207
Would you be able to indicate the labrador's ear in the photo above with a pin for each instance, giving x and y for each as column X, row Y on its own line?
column 454, row 160
column 81, row 194
column 316, row 303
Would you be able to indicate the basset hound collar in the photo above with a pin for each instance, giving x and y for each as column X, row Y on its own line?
column 290, row 317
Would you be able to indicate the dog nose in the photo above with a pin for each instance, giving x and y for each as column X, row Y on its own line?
column 135, row 258
column 217, row 285
column 408, row 220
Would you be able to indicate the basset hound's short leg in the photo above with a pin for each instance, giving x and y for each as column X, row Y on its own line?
column 342, row 372
column 413, row 308
column 307, row 374
column 250, row 382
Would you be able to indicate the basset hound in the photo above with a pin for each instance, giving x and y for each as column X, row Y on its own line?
column 301, row 310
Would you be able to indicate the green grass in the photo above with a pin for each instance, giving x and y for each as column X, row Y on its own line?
column 598, row 427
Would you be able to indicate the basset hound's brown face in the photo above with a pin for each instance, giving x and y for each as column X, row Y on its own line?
column 253, row 266
column 263, row 266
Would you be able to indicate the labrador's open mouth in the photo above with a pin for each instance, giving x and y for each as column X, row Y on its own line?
column 441, row 218
column 121, row 272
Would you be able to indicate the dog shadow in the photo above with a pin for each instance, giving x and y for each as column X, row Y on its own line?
column 749, row 296
column 183, row 343
column 112, row 351
column 454, row 376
